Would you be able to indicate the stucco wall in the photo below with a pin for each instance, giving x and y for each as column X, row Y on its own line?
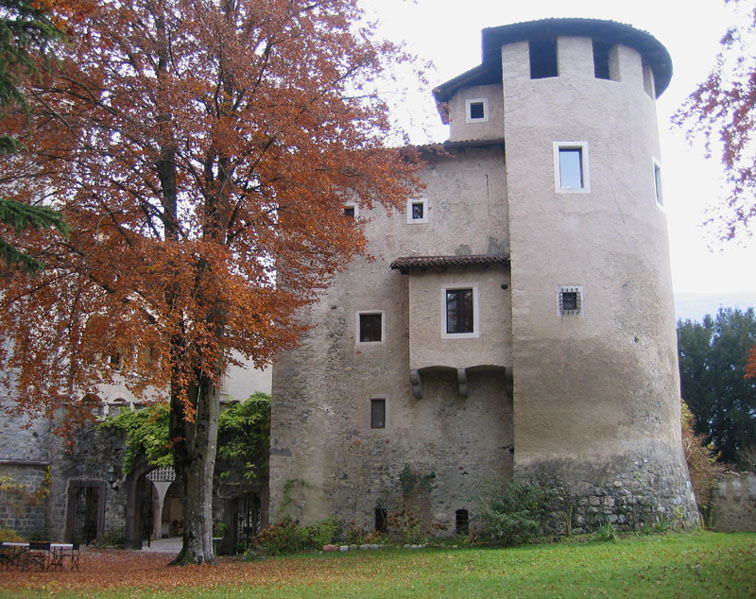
column 491, row 344
column 322, row 390
column 602, row 386
column 493, row 128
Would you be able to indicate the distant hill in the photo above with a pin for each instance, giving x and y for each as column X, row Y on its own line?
column 695, row 306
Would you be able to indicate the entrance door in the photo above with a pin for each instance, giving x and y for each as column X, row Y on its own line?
column 85, row 515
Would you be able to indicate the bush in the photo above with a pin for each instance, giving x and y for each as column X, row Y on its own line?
column 606, row 532
column 405, row 527
column 11, row 536
column 287, row 536
column 513, row 512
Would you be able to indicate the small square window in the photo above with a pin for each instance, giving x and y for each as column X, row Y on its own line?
column 476, row 110
column 570, row 301
column 377, row 413
column 351, row 210
column 370, row 327
column 417, row 211
column 658, row 184
column 571, row 172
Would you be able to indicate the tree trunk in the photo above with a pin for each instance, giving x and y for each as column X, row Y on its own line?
column 194, row 462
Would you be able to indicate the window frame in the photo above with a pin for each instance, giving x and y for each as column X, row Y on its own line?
column 475, row 333
column 578, row 289
column 468, row 110
column 417, row 221
column 658, row 183
column 384, row 399
column 354, row 206
column 585, row 171
column 358, row 327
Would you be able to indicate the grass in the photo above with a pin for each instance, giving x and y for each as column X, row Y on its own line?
column 693, row 565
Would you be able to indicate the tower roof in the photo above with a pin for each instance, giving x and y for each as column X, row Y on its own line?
column 611, row 32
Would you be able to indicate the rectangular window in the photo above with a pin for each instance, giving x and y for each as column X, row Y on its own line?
column 648, row 80
column 543, row 58
column 601, row 68
column 658, row 184
column 370, row 327
column 476, row 110
column 459, row 311
column 570, row 168
column 417, row 211
column 571, row 172
column 570, row 301
column 377, row 413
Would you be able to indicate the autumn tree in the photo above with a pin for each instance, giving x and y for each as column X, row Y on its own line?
column 202, row 151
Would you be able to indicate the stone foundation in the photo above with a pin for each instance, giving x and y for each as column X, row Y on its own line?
column 628, row 491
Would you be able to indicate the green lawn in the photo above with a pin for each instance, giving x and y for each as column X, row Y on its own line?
column 689, row 566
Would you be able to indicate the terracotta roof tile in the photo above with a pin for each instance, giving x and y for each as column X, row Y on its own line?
column 404, row 263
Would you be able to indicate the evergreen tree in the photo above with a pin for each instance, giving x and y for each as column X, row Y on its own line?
column 713, row 358
column 26, row 32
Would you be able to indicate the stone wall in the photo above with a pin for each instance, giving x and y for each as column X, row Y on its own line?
column 629, row 491
column 735, row 503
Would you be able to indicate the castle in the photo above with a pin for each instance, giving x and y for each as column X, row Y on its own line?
column 517, row 318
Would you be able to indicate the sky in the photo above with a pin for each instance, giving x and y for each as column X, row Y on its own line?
column 447, row 32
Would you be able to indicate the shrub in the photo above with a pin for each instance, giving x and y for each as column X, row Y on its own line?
column 287, row 536
column 514, row 511
column 404, row 526
column 606, row 532
column 11, row 536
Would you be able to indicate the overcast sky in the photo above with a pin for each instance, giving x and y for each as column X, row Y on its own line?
column 448, row 33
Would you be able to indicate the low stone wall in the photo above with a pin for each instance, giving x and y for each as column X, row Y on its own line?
column 735, row 503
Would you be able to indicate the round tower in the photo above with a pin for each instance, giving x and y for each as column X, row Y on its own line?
column 596, row 380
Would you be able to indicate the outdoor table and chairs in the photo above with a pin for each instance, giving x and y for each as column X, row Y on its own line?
column 43, row 555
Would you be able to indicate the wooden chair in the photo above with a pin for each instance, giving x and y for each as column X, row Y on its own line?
column 37, row 555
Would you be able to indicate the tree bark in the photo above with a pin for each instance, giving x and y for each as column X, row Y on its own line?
column 194, row 459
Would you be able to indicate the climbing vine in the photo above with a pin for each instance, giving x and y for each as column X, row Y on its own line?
column 147, row 434
column 19, row 496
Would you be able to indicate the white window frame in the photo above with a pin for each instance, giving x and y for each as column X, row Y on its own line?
column 581, row 300
column 352, row 205
column 584, row 165
column 469, row 103
column 357, row 327
column 658, row 182
column 475, row 334
column 417, row 221
column 385, row 399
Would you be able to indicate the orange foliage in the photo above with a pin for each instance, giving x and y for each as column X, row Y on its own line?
column 201, row 153
column 142, row 570
column 750, row 371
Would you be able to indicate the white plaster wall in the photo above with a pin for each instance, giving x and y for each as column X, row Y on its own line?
column 606, row 382
column 493, row 344
column 493, row 128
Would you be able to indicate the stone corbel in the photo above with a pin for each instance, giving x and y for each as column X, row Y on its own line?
column 462, row 381
column 417, row 384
